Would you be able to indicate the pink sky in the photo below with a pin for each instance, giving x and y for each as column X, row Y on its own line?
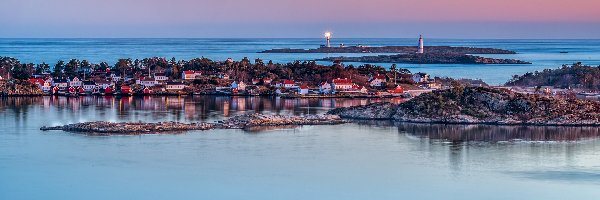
column 90, row 15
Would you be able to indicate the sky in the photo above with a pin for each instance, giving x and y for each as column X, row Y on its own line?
column 301, row 18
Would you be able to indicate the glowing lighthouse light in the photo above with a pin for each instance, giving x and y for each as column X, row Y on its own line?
column 328, row 38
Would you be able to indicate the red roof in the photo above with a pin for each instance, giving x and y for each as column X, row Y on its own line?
column 189, row 72
column 397, row 90
column 288, row 82
column 339, row 81
column 37, row 81
column 304, row 87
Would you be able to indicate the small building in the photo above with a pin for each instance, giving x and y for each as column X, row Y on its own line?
column 89, row 86
column 342, row 84
column 190, row 75
column 378, row 81
column 160, row 77
column 241, row 86
column 420, row 77
column 396, row 91
column 60, row 83
column 360, row 89
column 75, row 82
column 103, row 84
column 286, row 84
column 175, row 86
column 256, row 81
column 37, row 81
column 147, row 82
column 303, row 90
column 325, row 88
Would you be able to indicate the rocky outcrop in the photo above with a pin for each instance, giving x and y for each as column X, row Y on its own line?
column 426, row 58
column 247, row 121
column 480, row 105
column 394, row 49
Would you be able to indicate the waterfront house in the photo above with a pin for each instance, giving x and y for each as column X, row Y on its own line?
column 420, row 77
column 255, row 81
column 147, row 82
column 396, row 91
column 377, row 81
column 360, row 89
column 175, row 86
column 47, row 86
column 75, row 82
column 241, row 86
column 325, row 88
column 60, row 83
column 89, row 86
column 288, row 83
column 341, row 84
column 103, row 84
column 303, row 90
column 190, row 75
column 161, row 77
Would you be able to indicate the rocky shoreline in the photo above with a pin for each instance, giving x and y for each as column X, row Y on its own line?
column 426, row 58
column 394, row 49
column 479, row 105
column 247, row 121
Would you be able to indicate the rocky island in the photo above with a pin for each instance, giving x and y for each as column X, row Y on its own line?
column 244, row 122
column 481, row 105
column 394, row 49
column 426, row 58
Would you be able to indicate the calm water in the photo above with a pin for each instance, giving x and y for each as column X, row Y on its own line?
column 542, row 53
column 361, row 160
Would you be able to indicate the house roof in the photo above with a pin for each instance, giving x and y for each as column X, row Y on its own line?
column 379, row 76
column 174, row 83
column 288, row 82
column 304, row 87
column 339, row 81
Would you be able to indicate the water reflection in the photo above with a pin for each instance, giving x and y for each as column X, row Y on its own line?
column 458, row 134
column 178, row 108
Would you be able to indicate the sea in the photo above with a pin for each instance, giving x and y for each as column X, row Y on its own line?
column 359, row 160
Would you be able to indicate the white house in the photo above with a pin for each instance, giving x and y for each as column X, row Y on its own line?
column 61, row 83
column 325, row 88
column 104, row 84
column 175, row 86
column 190, row 74
column 303, row 90
column 161, row 77
column 88, row 86
column 147, row 82
column 420, row 77
column 342, row 84
column 287, row 84
column 378, row 81
column 75, row 82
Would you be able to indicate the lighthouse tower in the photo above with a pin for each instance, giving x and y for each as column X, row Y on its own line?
column 420, row 50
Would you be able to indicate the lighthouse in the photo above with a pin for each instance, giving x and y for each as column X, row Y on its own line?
column 327, row 39
column 420, row 50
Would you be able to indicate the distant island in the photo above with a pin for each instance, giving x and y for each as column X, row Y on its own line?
column 394, row 49
column 425, row 58
column 577, row 76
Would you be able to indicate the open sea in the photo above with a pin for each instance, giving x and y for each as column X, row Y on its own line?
column 542, row 53
column 359, row 160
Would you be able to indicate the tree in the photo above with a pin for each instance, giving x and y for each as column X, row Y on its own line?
column 58, row 70
column 71, row 68
column 21, row 71
column 42, row 68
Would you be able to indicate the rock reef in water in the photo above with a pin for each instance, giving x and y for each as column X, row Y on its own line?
column 237, row 122
column 481, row 105
column 394, row 49
column 426, row 58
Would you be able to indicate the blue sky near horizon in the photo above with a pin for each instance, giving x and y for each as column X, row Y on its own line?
column 471, row 19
